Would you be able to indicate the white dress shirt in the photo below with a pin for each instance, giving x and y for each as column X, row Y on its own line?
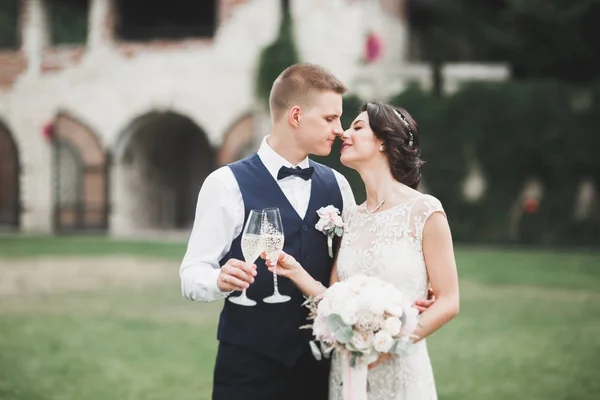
column 220, row 219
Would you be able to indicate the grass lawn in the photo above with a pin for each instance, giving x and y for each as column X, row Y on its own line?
column 99, row 319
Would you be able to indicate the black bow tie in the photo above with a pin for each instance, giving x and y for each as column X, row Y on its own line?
column 304, row 173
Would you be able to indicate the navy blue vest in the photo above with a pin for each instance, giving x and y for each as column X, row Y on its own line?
column 273, row 329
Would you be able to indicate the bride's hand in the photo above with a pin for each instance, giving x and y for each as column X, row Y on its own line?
column 287, row 266
column 381, row 359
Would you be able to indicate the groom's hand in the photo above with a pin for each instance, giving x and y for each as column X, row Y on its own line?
column 236, row 275
column 423, row 305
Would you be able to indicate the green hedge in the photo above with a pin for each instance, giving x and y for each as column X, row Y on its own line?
column 276, row 57
column 516, row 131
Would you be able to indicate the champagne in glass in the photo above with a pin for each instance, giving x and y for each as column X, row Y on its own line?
column 251, row 249
column 273, row 239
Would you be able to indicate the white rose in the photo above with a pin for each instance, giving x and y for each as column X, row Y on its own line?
column 362, row 341
column 349, row 311
column 392, row 325
column 365, row 295
column 377, row 303
column 340, row 298
column 338, row 220
column 326, row 211
column 321, row 225
column 396, row 308
column 325, row 307
column 356, row 284
column 320, row 327
column 383, row 341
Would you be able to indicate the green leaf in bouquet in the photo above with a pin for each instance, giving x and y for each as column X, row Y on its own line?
column 354, row 358
column 342, row 332
column 339, row 231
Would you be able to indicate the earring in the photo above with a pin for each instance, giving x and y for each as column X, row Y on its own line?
column 382, row 148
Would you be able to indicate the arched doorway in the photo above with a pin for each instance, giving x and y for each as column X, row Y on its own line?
column 10, row 209
column 80, row 178
column 239, row 141
column 162, row 159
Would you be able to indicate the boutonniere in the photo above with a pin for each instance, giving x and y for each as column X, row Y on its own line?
column 331, row 224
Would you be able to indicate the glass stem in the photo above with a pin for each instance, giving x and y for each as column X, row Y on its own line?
column 275, row 280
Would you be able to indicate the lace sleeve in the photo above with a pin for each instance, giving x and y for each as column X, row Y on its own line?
column 422, row 210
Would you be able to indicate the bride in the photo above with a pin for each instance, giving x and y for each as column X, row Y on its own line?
column 399, row 235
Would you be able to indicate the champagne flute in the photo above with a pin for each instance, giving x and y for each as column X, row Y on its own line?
column 251, row 249
column 273, row 239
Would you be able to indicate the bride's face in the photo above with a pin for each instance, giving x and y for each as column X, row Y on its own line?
column 360, row 144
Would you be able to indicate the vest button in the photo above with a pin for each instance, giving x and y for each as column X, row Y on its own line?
column 304, row 227
column 307, row 257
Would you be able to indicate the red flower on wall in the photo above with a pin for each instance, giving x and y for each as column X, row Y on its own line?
column 373, row 48
column 48, row 131
column 531, row 206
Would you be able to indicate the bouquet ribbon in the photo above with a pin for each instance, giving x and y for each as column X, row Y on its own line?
column 354, row 379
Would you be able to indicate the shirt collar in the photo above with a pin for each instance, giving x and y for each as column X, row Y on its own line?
column 273, row 161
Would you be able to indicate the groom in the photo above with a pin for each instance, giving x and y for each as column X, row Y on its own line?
column 262, row 354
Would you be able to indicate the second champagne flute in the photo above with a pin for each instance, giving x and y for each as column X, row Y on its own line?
column 273, row 239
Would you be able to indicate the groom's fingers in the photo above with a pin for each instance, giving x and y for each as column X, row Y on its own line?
column 233, row 279
column 423, row 305
column 236, row 275
column 242, row 273
column 233, row 283
column 248, row 269
column 421, row 309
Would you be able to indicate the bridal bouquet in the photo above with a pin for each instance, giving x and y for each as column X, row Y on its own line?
column 362, row 318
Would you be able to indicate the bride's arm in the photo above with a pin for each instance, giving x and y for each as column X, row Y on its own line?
column 441, row 267
column 288, row 267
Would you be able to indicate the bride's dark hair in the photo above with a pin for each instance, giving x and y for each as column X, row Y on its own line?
column 400, row 135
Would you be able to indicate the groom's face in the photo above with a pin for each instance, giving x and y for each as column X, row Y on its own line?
column 319, row 123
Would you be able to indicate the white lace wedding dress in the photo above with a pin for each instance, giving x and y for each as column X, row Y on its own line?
column 387, row 245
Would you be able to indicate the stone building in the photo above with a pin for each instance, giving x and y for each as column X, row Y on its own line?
column 118, row 132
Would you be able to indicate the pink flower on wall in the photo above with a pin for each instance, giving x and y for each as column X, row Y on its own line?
column 373, row 48
column 48, row 131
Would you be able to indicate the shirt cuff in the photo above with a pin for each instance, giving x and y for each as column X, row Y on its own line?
column 204, row 287
column 212, row 285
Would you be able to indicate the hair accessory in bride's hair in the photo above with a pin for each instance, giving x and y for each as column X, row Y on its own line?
column 405, row 122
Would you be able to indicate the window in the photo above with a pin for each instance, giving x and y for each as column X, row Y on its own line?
column 9, row 24
column 68, row 21
column 159, row 19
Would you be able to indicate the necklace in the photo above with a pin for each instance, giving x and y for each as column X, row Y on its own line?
column 369, row 212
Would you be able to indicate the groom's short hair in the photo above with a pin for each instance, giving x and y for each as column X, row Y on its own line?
column 297, row 83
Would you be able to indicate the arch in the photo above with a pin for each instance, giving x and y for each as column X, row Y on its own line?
column 80, row 177
column 161, row 159
column 10, row 169
column 238, row 141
